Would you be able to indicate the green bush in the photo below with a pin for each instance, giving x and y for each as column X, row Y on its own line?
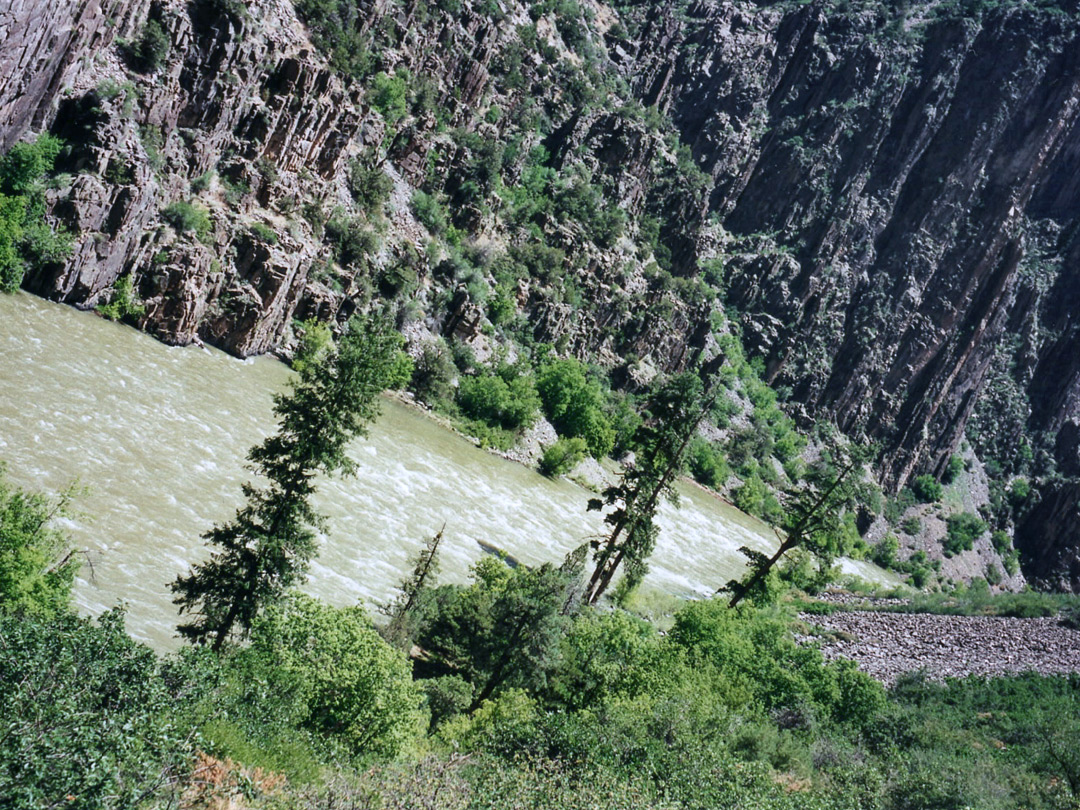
column 953, row 470
column 316, row 340
column 896, row 506
column 263, row 232
column 334, row 30
column 354, row 686
column 885, row 552
column 707, row 463
column 37, row 568
column 87, row 720
column 926, row 489
column 122, row 303
column 962, row 531
column 431, row 213
column 351, row 239
column 25, row 164
column 389, row 95
column 25, row 236
column 188, row 218
column 509, row 401
column 562, row 456
column 433, row 375
column 370, row 187
column 574, row 404
column 1001, row 541
column 912, row 526
column 151, row 49
column 12, row 216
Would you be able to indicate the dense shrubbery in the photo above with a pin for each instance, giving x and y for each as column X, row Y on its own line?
column 505, row 399
column 562, row 456
column 926, row 489
column 962, row 532
column 26, row 238
column 36, row 567
column 575, row 404
column 520, row 696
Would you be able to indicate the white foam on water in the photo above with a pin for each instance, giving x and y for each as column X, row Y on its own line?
column 165, row 458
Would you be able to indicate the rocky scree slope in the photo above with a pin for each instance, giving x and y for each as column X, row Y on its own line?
column 892, row 191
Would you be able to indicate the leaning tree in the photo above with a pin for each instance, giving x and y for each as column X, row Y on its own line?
column 267, row 547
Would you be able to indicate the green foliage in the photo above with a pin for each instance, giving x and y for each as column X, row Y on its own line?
column 575, row 404
column 370, row 187
column 760, row 665
column 707, row 463
column 334, row 28
column 351, row 239
column 506, row 399
column 389, row 95
column 952, row 472
column 87, row 723
column 12, row 216
column 433, row 216
column 267, row 547
column 263, row 232
column 25, row 236
column 820, row 517
column 885, row 552
column 673, row 412
column 963, row 530
column 502, row 631
column 24, row 165
column 353, row 685
column 316, row 341
column 150, row 51
column 912, row 526
column 37, row 568
column 895, row 507
column 926, row 489
column 433, row 374
column 188, row 218
column 411, row 609
column 122, row 304
column 562, row 456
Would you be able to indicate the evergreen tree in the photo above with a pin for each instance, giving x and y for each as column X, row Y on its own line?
column 407, row 611
column 267, row 547
column 814, row 519
column 672, row 416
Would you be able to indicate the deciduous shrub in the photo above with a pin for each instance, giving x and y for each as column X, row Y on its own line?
column 354, row 685
column 926, row 489
column 963, row 530
column 185, row 218
column 562, row 456
column 507, row 400
column 574, row 404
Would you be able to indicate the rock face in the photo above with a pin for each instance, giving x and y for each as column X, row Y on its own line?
column 914, row 179
column 895, row 194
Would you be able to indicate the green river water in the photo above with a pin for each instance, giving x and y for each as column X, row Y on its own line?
column 158, row 436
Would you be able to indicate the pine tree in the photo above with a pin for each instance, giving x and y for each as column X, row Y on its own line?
column 673, row 414
column 814, row 518
column 406, row 612
column 267, row 547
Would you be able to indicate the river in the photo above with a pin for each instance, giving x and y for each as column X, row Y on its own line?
column 157, row 435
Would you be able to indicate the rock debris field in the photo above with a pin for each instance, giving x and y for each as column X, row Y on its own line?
column 887, row 645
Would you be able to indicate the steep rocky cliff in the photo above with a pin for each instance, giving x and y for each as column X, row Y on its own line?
column 892, row 190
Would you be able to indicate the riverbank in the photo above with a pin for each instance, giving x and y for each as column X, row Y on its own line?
column 888, row 645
